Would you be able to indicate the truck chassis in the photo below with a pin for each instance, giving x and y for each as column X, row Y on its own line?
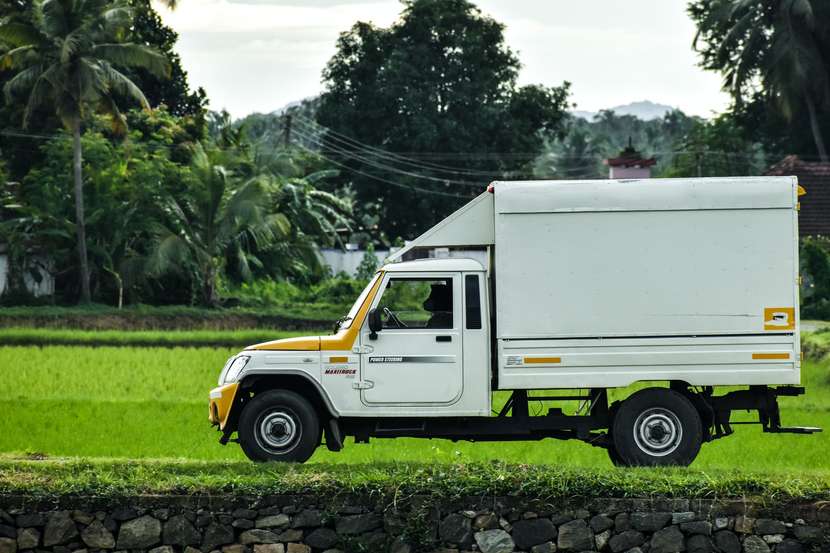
column 514, row 423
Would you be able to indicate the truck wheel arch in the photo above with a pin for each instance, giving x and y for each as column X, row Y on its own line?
column 295, row 381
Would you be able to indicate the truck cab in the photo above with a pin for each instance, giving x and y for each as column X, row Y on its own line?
column 680, row 285
column 415, row 343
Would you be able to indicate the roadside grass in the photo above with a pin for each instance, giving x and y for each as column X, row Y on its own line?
column 399, row 480
column 147, row 403
column 142, row 338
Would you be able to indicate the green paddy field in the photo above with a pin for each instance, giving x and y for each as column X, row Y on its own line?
column 128, row 402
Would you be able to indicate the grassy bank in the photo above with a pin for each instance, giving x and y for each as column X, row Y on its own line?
column 146, row 317
column 142, row 338
column 187, row 477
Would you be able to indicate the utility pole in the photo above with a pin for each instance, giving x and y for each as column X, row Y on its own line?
column 286, row 130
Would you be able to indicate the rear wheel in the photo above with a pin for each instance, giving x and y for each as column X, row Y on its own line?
column 657, row 426
column 614, row 456
column 279, row 425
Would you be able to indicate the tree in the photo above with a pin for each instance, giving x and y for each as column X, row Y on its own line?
column 716, row 148
column 123, row 181
column 68, row 57
column 585, row 144
column 368, row 265
column 439, row 86
column 782, row 46
column 578, row 155
column 215, row 219
column 315, row 217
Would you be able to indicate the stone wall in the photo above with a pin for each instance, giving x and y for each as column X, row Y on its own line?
column 305, row 524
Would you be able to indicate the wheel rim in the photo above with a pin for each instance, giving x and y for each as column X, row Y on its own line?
column 278, row 430
column 658, row 432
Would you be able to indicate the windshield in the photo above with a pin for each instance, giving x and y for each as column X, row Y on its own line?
column 347, row 320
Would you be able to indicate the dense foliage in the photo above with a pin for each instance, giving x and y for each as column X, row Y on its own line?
column 440, row 86
column 174, row 204
column 773, row 55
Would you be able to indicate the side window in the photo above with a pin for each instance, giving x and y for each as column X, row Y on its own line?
column 472, row 299
column 417, row 303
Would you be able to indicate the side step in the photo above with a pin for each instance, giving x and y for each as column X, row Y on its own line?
column 793, row 429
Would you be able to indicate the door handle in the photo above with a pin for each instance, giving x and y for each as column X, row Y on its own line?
column 443, row 338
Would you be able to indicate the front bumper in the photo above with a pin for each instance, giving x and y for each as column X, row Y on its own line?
column 221, row 400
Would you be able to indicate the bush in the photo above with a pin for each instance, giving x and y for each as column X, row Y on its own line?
column 815, row 270
column 337, row 291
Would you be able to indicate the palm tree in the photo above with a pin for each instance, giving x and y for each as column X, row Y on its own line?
column 215, row 220
column 67, row 59
column 781, row 42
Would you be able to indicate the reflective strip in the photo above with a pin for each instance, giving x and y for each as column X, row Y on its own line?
column 530, row 360
column 770, row 355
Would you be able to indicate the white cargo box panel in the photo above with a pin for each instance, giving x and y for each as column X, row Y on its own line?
column 603, row 283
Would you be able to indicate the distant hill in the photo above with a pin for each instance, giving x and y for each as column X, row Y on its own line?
column 645, row 110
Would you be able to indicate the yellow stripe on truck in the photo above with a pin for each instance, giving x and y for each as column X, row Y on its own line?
column 770, row 355
column 542, row 360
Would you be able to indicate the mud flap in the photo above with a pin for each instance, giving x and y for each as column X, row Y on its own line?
column 334, row 438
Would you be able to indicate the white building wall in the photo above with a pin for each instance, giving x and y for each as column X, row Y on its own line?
column 630, row 173
column 46, row 287
column 347, row 261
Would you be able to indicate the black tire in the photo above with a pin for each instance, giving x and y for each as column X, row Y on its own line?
column 279, row 425
column 657, row 427
column 614, row 456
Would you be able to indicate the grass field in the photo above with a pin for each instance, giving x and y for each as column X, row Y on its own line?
column 152, row 403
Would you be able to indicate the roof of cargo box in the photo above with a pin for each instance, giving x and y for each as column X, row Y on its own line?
column 644, row 194
column 474, row 224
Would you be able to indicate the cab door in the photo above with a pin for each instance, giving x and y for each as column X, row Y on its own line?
column 417, row 356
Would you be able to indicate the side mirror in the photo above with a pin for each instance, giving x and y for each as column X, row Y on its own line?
column 375, row 324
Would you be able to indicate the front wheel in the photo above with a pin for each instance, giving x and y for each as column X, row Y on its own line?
column 657, row 427
column 279, row 425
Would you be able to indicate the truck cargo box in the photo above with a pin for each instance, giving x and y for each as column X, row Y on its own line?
column 605, row 283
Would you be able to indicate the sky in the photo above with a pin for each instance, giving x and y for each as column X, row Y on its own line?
column 259, row 55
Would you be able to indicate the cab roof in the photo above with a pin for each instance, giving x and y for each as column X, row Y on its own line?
column 435, row 265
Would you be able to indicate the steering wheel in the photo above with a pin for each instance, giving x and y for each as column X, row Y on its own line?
column 394, row 318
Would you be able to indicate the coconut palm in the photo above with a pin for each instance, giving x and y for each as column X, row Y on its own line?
column 67, row 59
column 781, row 43
column 215, row 220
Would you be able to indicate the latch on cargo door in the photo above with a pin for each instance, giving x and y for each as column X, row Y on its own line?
column 363, row 385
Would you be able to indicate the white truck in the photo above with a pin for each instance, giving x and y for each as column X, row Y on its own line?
column 670, row 286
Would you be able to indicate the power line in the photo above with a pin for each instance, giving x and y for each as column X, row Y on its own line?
column 392, row 156
column 385, row 181
column 338, row 145
column 389, row 168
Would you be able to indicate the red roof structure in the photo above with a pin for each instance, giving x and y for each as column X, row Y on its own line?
column 814, row 177
column 630, row 157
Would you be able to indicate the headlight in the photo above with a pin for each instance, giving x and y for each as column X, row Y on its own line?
column 236, row 367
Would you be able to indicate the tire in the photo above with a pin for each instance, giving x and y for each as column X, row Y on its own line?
column 614, row 456
column 279, row 425
column 657, row 427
